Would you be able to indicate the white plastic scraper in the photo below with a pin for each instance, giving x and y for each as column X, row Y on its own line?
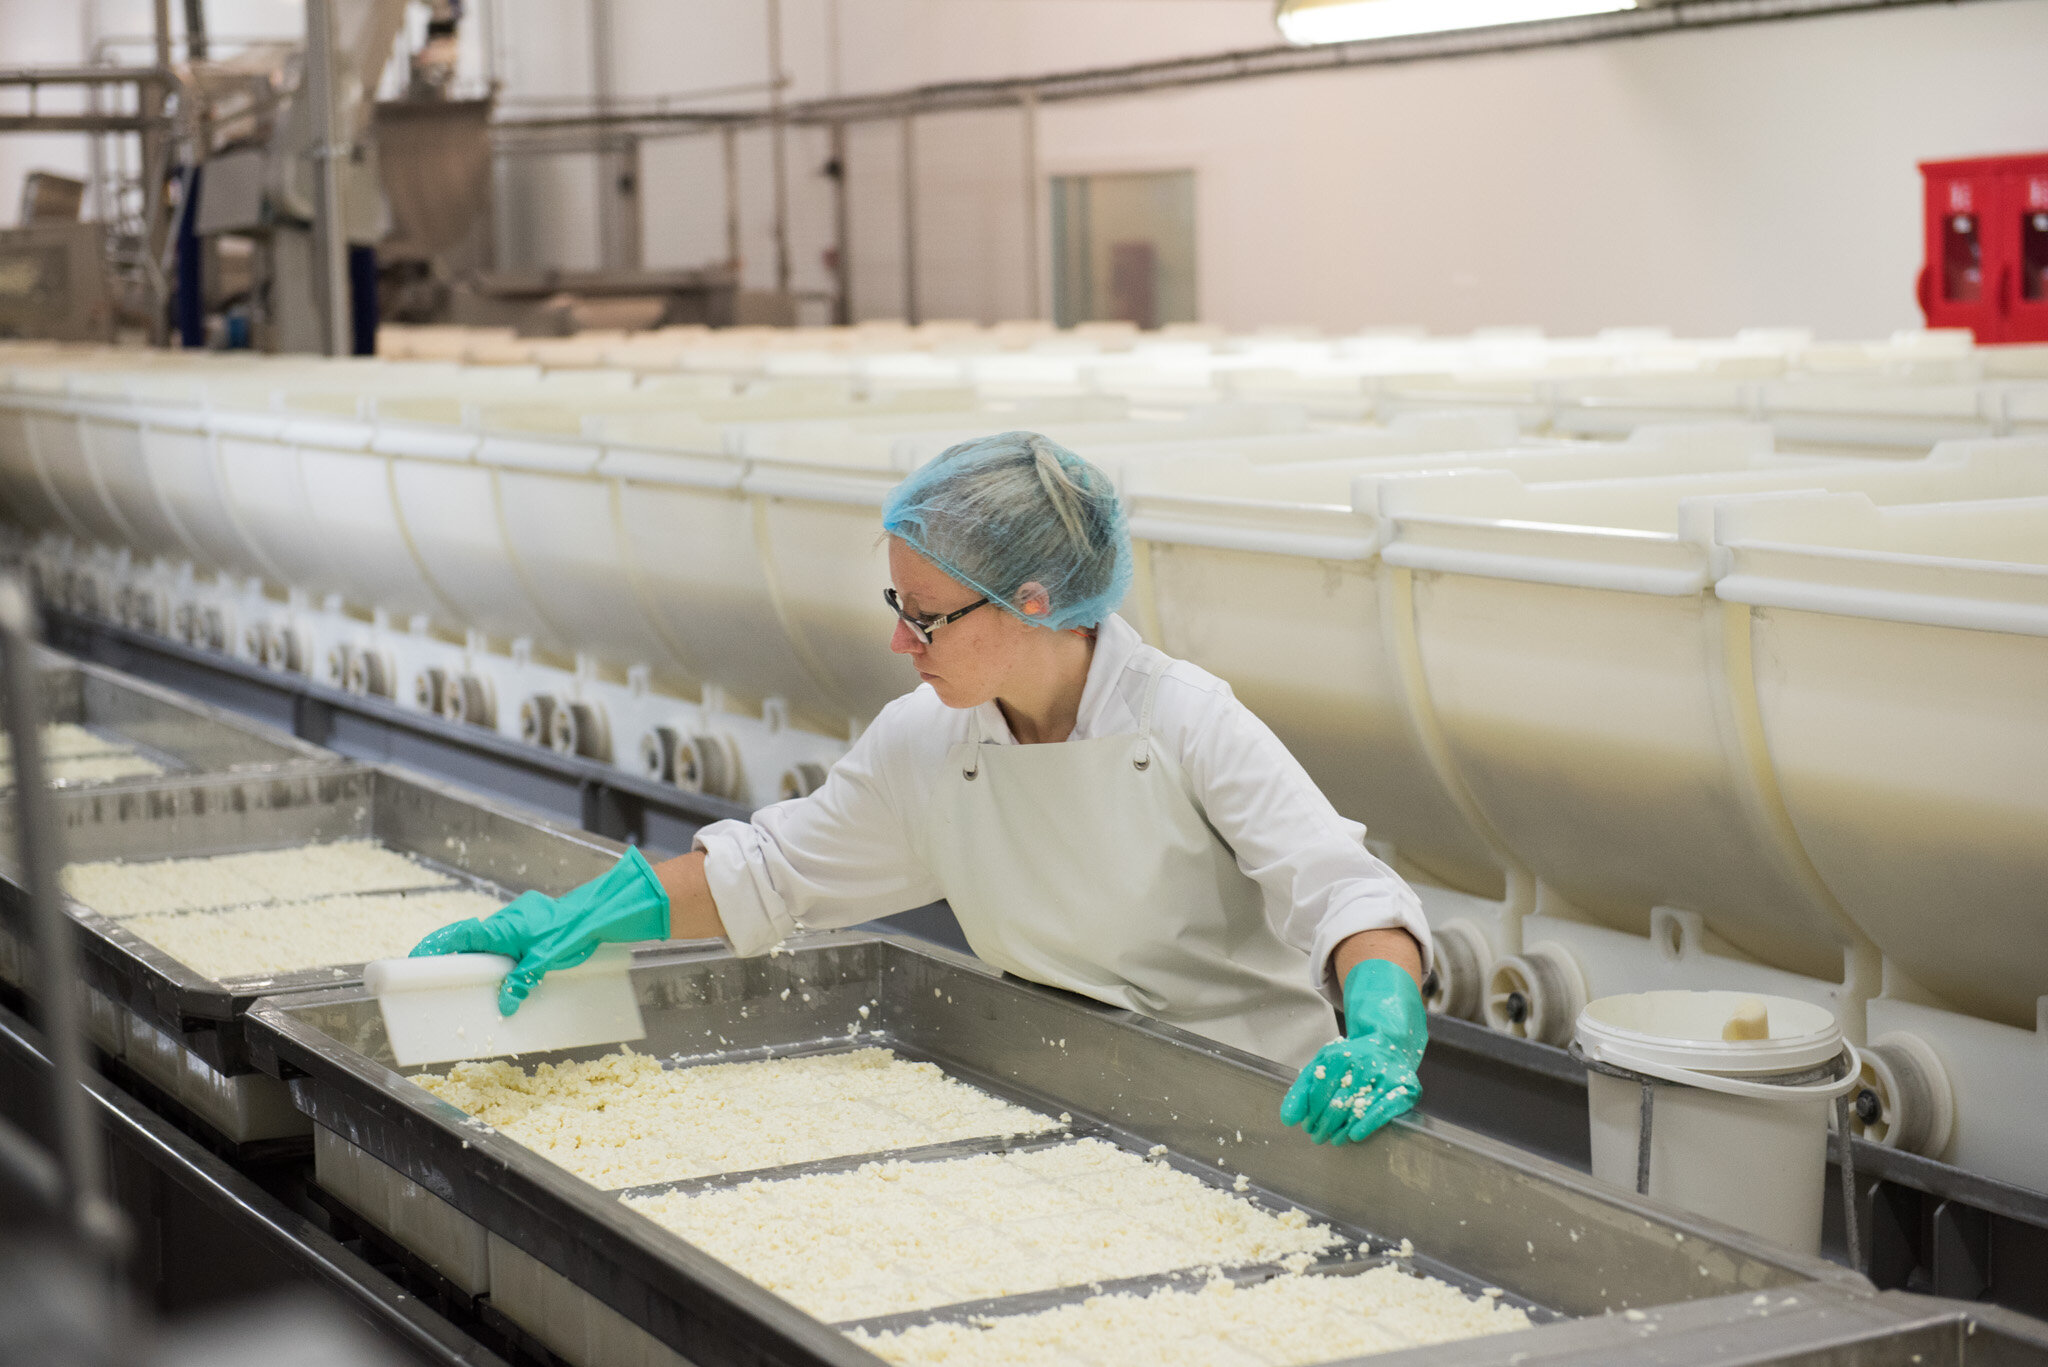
column 443, row 1007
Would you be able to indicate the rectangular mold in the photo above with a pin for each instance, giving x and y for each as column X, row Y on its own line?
column 1479, row 1213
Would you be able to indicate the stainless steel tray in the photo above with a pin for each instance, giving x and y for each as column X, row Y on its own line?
column 481, row 845
column 184, row 736
column 1479, row 1213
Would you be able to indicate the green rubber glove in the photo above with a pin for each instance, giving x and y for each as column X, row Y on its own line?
column 545, row 933
column 1355, row 1085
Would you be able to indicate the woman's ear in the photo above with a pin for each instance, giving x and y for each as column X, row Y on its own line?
column 1033, row 600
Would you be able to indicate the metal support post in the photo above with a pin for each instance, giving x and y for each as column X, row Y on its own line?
column 912, row 311
column 729, row 147
column 72, row 1134
column 330, row 227
column 778, row 146
column 842, row 261
column 1034, row 284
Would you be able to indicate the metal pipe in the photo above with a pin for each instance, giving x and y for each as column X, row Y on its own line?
column 778, row 146
column 729, row 148
column 85, row 123
column 842, row 263
column 76, row 1141
column 609, row 234
column 1033, row 281
column 911, row 308
column 156, row 158
column 88, row 75
column 330, row 235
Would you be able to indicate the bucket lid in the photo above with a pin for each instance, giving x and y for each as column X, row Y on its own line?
column 1682, row 1029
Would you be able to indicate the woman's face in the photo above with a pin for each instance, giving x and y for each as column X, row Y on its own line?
column 973, row 660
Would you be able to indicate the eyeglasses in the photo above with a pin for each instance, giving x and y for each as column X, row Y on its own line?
column 923, row 627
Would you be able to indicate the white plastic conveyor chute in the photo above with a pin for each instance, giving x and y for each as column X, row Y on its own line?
column 564, row 534
column 1278, row 588
column 349, row 491
column 267, row 497
column 180, row 448
column 21, row 479
column 118, row 445
column 693, row 563
column 1902, row 676
column 57, row 448
column 1596, row 699
column 451, row 516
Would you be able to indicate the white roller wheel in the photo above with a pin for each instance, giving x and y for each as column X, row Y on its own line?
column 369, row 674
column 256, row 640
column 578, row 728
column 429, row 686
column 708, row 764
column 1456, row 985
column 801, row 780
column 470, row 698
column 150, row 614
column 185, row 623
column 1905, row 1101
column 658, row 754
column 217, row 630
column 537, row 719
column 1536, row 994
column 281, row 649
column 337, row 665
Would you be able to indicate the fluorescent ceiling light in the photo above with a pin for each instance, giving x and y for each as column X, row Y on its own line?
column 1348, row 21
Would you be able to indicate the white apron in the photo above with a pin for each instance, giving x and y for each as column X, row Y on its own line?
column 1087, row 865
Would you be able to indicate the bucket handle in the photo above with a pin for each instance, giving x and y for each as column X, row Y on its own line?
column 1736, row 1086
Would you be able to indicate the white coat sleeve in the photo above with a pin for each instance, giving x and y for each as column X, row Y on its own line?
column 835, row 858
column 1321, row 883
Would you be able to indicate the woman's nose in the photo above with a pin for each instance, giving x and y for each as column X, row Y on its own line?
column 904, row 641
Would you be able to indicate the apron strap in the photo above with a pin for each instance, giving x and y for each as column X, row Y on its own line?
column 1155, row 668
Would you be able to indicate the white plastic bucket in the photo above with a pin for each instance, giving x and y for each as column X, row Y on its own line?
column 1732, row 1137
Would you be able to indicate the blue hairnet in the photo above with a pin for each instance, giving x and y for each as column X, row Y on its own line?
column 1006, row 512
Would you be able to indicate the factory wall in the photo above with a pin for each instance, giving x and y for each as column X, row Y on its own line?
column 1703, row 181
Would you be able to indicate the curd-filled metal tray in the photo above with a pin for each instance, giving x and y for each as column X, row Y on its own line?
column 1602, row 1273
column 457, row 842
column 106, row 715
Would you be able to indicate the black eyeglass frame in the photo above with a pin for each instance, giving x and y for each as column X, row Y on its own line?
column 922, row 628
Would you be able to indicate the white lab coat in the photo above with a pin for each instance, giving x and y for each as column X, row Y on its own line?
column 861, row 846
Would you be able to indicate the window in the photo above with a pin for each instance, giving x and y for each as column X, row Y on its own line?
column 1123, row 248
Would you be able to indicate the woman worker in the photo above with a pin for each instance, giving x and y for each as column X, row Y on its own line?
column 1101, row 818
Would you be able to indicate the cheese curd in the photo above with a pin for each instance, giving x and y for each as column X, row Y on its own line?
column 1289, row 1321
column 119, row 889
column 624, row 1120
column 898, row 1236
column 266, row 940
column 66, row 740
column 103, row 768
